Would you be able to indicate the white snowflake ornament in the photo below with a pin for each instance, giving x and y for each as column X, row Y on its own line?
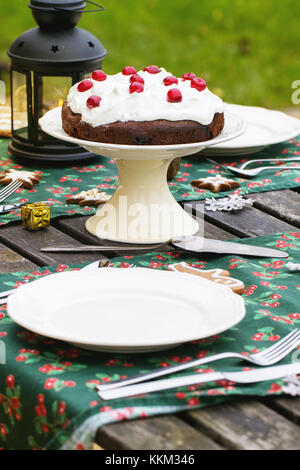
column 231, row 203
column 293, row 267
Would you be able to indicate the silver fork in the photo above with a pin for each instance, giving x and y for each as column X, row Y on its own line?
column 10, row 189
column 253, row 172
column 268, row 357
column 263, row 374
column 249, row 162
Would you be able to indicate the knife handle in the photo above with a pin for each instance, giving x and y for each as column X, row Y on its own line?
column 158, row 385
column 93, row 248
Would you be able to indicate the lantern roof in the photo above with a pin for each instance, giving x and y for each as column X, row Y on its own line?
column 57, row 42
column 71, row 46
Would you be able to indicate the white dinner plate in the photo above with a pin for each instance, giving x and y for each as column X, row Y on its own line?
column 264, row 128
column 125, row 310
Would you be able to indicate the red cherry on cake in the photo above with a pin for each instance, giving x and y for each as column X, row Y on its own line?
column 85, row 85
column 198, row 83
column 136, row 87
column 93, row 101
column 128, row 70
column 188, row 76
column 174, row 95
column 170, row 80
column 152, row 69
column 99, row 75
column 136, row 78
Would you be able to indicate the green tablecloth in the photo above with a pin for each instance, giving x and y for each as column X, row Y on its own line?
column 58, row 183
column 47, row 396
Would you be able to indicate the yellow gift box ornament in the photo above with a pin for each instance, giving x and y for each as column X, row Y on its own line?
column 35, row 216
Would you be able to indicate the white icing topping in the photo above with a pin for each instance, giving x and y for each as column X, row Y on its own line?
column 216, row 275
column 117, row 104
column 215, row 180
column 92, row 194
column 25, row 176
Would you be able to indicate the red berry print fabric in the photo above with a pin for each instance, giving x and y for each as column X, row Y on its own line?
column 61, row 183
column 47, row 387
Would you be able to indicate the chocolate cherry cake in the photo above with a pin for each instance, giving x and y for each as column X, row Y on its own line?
column 149, row 107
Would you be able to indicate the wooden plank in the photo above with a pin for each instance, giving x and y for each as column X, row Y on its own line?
column 11, row 261
column 246, row 425
column 250, row 222
column 159, row 433
column 28, row 244
column 287, row 406
column 282, row 204
column 211, row 231
column 75, row 227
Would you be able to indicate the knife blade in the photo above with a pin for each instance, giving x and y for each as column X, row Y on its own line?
column 4, row 209
column 257, row 375
column 207, row 245
column 9, row 207
column 193, row 244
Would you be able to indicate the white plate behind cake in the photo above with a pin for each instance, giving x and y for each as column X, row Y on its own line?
column 264, row 127
column 125, row 310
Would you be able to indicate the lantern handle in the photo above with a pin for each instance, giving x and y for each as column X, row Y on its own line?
column 100, row 8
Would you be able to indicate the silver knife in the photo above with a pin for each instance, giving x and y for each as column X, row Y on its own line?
column 194, row 244
column 207, row 245
column 4, row 209
column 258, row 375
column 9, row 207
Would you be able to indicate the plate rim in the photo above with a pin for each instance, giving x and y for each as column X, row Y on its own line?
column 275, row 141
column 239, row 315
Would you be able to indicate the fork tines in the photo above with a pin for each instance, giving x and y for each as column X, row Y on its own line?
column 10, row 189
column 281, row 348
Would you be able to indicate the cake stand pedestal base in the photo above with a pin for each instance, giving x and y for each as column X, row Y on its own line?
column 142, row 208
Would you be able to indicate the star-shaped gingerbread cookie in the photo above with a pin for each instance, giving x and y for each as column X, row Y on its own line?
column 28, row 178
column 216, row 183
column 92, row 197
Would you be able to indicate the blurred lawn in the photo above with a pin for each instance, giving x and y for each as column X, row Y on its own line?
column 248, row 50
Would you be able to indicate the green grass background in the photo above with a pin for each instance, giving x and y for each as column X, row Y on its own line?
column 248, row 50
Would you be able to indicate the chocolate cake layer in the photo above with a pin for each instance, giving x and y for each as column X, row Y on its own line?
column 158, row 132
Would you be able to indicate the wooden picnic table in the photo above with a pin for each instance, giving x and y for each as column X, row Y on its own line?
column 259, row 424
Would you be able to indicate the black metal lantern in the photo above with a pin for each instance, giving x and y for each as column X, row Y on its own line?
column 45, row 62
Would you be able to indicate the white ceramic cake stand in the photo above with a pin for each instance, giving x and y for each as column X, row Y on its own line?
column 142, row 208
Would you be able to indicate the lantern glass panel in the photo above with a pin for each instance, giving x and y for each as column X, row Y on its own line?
column 55, row 91
column 19, row 105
